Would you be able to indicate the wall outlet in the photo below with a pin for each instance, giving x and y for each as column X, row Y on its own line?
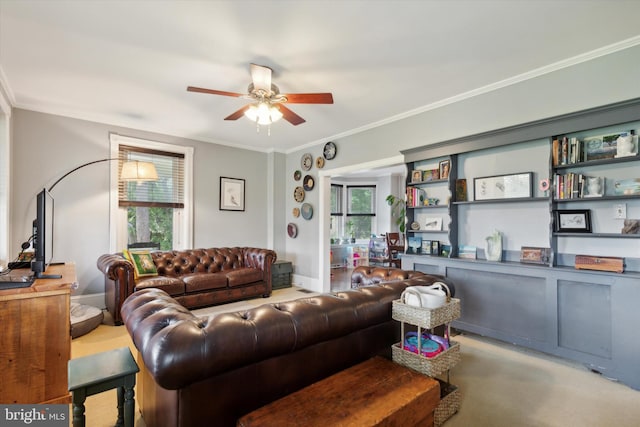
column 620, row 211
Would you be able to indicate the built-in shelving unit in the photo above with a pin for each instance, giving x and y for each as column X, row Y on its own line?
column 550, row 306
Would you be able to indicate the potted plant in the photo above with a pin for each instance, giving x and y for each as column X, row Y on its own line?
column 350, row 230
column 398, row 210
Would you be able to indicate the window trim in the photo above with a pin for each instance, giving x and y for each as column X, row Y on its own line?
column 183, row 234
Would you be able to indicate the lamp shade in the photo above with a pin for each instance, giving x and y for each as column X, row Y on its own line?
column 135, row 170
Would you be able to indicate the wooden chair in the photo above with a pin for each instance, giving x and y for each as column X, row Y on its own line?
column 395, row 246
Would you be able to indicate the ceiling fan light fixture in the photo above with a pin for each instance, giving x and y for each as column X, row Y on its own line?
column 263, row 113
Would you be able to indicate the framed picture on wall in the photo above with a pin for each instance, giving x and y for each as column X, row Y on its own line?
column 231, row 194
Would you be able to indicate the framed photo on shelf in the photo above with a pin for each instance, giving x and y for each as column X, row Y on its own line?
column 426, row 246
column 435, row 248
column 461, row 190
column 467, row 252
column 231, row 194
column 535, row 255
column 433, row 223
column 572, row 221
column 499, row 187
column 416, row 176
column 443, row 167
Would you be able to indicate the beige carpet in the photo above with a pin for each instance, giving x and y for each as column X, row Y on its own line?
column 501, row 385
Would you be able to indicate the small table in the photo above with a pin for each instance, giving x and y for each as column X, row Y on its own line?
column 100, row 372
column 376, row 392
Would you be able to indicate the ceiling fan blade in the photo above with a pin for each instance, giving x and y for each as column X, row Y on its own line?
column 261, row 77
column 309, row 98
column 236, row 115
column 290, row 116
column 214, row 92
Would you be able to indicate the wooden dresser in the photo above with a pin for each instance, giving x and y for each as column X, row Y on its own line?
column 35, row 342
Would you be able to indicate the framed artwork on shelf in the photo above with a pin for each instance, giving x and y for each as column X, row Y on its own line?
column 467, row 252
column 231, row 194
column 572, row 221
column 435, row 248
column 443, row 167
column 416, row 176
column 503, row 186
column 461, row 190
column 426, row 246
column 602, row 147
column 534, row 255
column 433, row 223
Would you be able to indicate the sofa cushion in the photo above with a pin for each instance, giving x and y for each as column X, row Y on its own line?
column 171, row 285
column 243, row 276
column 197, row 282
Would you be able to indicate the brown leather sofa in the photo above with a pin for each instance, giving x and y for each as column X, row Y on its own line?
column 213, row 370
column 194, row 277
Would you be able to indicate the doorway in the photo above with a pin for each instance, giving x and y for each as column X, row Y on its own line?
column 389, row 176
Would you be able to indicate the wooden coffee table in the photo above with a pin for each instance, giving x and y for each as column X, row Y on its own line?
column 376, row 392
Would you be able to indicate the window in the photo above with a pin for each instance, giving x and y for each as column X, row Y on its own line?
column 361, row 210
column 153, row 212
column 336, row 212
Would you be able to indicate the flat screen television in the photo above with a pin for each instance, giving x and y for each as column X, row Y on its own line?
column 43, row 236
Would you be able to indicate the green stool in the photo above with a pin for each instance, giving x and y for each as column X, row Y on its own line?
column 100, row 372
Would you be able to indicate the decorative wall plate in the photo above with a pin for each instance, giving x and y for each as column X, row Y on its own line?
column 308, row 183
column 292, row 230
column 330, row 150
column 307, row 211
column 319, row 162
column 298, row 194
column 415, row 225
column 297, row 175
column 296, row 212
column 306, row 161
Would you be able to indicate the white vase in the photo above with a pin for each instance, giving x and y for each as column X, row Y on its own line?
column 493, row 247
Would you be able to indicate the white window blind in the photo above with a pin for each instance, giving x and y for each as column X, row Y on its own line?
column 167, row 191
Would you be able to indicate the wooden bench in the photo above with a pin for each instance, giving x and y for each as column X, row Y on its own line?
column 376, row 392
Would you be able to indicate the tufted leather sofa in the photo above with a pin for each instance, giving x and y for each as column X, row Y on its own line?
column 194, row 277
column 212, row 370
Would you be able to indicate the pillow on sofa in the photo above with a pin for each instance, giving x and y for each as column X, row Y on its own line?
column 143, row 265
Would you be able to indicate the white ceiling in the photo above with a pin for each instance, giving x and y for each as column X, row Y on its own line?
column 128, row 63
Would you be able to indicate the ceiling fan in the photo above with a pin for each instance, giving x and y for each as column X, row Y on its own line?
column 267, row 106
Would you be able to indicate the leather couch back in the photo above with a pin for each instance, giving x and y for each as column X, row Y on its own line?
column 369, row 275
column 212, row 260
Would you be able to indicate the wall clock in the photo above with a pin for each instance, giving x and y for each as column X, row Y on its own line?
column 307, row 161
column 330, row 150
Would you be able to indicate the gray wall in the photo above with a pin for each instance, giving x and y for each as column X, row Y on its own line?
column 47, row 146
column 604, row 80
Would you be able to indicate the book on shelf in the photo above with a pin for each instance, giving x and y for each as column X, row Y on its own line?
column 416, row 197
column 577, row 186
column 567, row 151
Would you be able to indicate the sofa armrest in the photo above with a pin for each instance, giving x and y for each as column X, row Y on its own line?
column 119, row 282
column 114, row 266
column 259, row 258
